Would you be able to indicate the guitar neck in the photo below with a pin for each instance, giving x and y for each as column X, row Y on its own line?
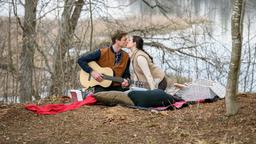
column 115, row 79
column 119, row 79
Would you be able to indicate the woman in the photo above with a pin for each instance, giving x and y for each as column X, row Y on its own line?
column 142, row 66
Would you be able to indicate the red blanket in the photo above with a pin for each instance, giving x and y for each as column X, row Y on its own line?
column 58, row 108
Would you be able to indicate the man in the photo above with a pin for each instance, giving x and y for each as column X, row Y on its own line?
column 113, row 57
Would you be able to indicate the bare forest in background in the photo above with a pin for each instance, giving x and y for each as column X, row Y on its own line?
column 180, row 43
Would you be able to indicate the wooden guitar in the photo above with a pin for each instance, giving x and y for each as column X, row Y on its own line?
column 87, row 80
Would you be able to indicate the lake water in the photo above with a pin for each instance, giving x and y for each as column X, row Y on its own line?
column 213, row 40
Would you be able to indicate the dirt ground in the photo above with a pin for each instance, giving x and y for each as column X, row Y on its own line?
column 199, row 123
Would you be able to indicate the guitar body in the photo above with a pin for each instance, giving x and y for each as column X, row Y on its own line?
column 88, row 81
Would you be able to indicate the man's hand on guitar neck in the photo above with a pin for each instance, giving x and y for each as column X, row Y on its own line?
column 97, row 76
column 125, row 83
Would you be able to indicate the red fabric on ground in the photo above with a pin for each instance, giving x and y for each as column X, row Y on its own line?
column 58, row 108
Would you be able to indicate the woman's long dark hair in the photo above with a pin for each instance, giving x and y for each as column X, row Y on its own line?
column 139, row 45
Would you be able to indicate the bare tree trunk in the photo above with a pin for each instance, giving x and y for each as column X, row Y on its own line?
column 91, row 23
column 9, row 53
column 16, row 88
column 28, row 49
column 253, row 70
column 70, row 16
column 234, row 67
column 246, row 81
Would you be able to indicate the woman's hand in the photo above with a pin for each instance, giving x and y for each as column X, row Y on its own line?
column 180, row 86
column 125, row 83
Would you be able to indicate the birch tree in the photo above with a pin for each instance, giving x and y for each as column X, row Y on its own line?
column 234, row 67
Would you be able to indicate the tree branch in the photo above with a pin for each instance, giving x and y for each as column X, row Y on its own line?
column 16, row 16
column 179, row 50
column 45, row 59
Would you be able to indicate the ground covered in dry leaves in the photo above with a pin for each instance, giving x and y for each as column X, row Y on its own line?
column 198, row 123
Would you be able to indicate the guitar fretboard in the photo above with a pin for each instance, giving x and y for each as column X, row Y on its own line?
column 115, row 79
column 119, row 79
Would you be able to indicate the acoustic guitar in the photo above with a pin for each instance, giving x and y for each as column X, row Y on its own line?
column 87, row 80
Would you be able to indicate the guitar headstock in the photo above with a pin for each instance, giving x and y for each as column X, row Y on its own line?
column 139, row 84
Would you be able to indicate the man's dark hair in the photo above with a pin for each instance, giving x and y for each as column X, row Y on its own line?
column 117, row 36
